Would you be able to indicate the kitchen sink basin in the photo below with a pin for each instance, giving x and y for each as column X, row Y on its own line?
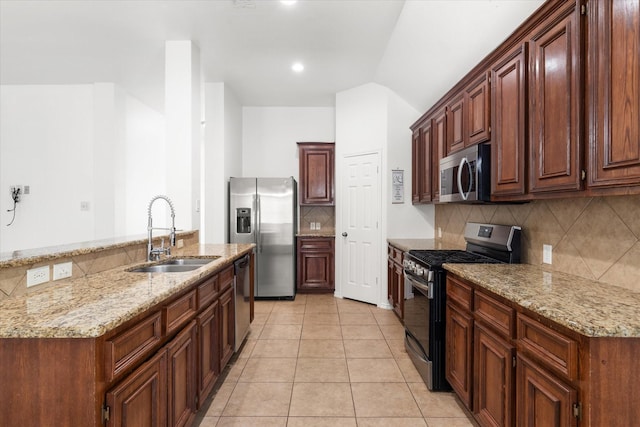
column 174, row 265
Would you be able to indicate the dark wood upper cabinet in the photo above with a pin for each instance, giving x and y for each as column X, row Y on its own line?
column 555, row 98
column 415, row 167
column 456, row 124
column 316, row 173
column 509, row 118
column 614, row 93
column 438, row 144
column 478, row 100
column 425, row 162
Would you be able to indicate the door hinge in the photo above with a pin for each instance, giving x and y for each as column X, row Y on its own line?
column 513, row 361
column 583, row 9
column 583, row 174
column 577, row 410
column 106, row 413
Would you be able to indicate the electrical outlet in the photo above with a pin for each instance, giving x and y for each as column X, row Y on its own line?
column 312, row 226
column 546, row 253
column 180, row 243
column 318, row 226
column 62, row 270
column 38, row 275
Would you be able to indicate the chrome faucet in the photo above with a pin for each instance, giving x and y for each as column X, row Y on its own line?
column 154, row 253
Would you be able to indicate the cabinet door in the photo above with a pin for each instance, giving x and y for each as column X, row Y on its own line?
column 425, row 162
column 508, row 86
column 315, row 264
column 181, row 385
column 543, row 399
column 391, row 282
column 227, row 327
column 493, row 387
column 141, row 399
column 415, row 167
column 555, row 147
column 398, row 300
column 458, row 352
column 438, row 145
column 456, row 122
column 316, row 174
column 208, row 351
column 614, row 93
column 478, row 109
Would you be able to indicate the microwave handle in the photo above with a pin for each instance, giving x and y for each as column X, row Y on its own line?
column 464, row 194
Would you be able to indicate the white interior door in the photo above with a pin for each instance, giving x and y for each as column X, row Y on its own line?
column 360, row 227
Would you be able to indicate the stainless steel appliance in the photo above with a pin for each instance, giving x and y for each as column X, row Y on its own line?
column 264, row 211
column 242, row 299
column 424, row 314
column 465, row 176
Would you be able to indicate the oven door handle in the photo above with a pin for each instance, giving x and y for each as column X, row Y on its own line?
column 428, row 289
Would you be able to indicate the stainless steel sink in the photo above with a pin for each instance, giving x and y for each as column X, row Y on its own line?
column 174, row 265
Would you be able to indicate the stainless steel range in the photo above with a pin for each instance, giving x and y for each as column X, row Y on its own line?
column 424, row 313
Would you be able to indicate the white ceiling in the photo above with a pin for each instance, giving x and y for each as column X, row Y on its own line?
column 418, row 48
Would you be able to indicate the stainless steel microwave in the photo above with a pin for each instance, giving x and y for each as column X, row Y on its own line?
column 465, row 176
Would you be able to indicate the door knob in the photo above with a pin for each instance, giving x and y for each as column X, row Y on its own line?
column 344, row 234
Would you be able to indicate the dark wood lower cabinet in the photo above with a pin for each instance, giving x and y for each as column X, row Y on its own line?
column 227, row 326
column 140, row 400
column 395, row 280
column 493, row 387
column 458, row 352
column 543, row 399
column 208, row 352
column 315, row 264
column 181, row 384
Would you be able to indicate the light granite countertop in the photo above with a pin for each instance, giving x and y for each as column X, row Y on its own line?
column 588, row 307
column 420, row 244
column 90, row 306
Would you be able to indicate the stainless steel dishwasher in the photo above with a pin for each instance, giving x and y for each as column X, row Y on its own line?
column 242, row 299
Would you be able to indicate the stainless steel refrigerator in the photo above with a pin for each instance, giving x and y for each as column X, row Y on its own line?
column 264, row 211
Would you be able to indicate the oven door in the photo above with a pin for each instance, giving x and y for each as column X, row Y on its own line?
column 417, row 315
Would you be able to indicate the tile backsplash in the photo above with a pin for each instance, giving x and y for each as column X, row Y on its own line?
column 596, row 238
column 325, row 216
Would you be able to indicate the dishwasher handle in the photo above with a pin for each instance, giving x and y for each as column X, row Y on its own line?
column 241, row 263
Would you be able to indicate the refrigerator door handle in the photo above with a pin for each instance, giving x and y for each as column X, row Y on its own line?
column 257, row 226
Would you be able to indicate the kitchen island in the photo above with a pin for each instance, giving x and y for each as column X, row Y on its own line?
column 527, row 346
column 117, row 345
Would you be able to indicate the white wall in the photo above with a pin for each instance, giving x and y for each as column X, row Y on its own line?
column 371, row 118
column 46, row 137
column 270, row 134
column 73, row 144
column 222, row 159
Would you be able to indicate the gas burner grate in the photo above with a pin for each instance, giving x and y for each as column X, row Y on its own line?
column 435, row 258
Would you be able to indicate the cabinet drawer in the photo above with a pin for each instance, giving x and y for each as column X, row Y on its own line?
column 320, row 244
column 551, row 348
column 494, row 313
column 459, row 293
column 208, row 291
column 179, row 311
column 225, row 278
column 397, row 255
column 129, row 347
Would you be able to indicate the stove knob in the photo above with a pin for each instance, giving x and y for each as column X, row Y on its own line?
column 419, row 271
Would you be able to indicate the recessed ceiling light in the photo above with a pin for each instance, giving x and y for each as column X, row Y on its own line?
column 288, row 2
column 297, row 67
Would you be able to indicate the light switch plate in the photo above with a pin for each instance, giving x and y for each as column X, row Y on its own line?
column 546, row 253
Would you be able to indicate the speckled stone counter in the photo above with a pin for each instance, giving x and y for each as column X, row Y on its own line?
column 420, row 244
column 590, row 308
column 316, row 234
column 93, row 305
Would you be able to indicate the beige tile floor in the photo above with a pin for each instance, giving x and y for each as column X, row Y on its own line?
column 324, row 361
